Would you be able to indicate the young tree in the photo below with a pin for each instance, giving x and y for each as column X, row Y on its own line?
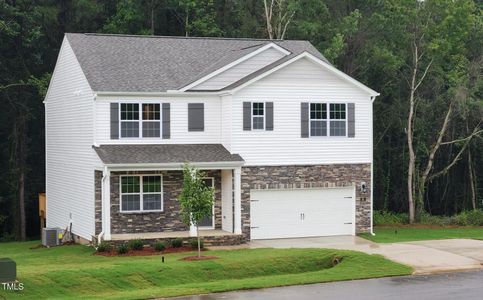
column 196, row 199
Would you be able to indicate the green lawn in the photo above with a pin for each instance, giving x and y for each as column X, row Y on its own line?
column 73, row 272
column 407, row 233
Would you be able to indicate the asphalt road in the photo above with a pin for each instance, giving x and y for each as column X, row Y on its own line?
column 454, row 286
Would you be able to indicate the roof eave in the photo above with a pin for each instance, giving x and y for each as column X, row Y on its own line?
column 174, row 166
column 173, row 93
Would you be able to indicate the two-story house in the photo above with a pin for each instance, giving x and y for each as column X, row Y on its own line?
column 284, row 138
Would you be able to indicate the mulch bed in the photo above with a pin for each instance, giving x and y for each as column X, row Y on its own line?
column 192, row 258
column 145, row 252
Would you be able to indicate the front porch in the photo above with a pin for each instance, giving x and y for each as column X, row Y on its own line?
column 136, row 201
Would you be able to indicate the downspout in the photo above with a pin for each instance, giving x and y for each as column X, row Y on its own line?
column 105, row 175
column 372, row 165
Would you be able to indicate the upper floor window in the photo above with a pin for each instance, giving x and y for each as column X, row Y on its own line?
column 318, row 119
column 325, row 122
column 258, row 115
column 141, row 193
column 138, row 118
column 151, row 120
column 337, row 119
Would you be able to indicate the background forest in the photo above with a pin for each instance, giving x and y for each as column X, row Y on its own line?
column 424, row 57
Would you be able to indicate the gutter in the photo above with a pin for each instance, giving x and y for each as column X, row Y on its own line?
column 176, row 166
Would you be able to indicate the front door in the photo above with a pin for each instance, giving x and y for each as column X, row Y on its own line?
column 209, row 221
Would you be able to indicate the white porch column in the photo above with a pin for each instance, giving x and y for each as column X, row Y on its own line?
column 227, row 200
column 106, row 204
column 237, row 200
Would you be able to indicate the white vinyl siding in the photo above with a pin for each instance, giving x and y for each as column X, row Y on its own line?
column 241, row 70
column 178, row 123
column 70, row 159
column 226, row 107
column 301, row 81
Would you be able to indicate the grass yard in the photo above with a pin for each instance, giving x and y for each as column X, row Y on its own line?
column 419, row 233
column 73, row 272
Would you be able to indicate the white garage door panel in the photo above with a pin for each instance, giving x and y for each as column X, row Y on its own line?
column 302, row 213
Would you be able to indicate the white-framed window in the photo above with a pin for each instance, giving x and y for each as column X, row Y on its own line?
column 140, row 120
column 129, row 120
column 328, row 119
column 141, row 193
column 258, row 115
column 338, row 119
column 318, row 119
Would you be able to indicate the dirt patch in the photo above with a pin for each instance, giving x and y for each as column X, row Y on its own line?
column 39, row 246
column 145, row 252
column 192, row 258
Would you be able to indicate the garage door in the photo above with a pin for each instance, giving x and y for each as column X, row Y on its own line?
column 302, row 213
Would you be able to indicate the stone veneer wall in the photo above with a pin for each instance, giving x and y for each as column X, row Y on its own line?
column 208, row 241
column 168, row 220
column 289, row 177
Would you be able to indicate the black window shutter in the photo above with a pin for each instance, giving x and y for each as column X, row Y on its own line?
column 247, row 116
column 166, row 121
column 196, row 116
column 304, row 119
column 269, row 116
column 114, row 121
column 351, row 120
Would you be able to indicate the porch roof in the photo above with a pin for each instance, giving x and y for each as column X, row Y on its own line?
column 165, row 154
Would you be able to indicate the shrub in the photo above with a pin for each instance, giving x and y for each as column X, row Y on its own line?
column 7, row 237
column 469, row 218
column 177, row 243
column 427, row 219
column 136, row 244
column 465, row 218
column 122, row 249
column 475, row 217
column 390, row 218
column 194, row 244
column 103, row 247
column 159, row 246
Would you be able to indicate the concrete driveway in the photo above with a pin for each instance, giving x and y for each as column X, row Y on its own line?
column 424, row 256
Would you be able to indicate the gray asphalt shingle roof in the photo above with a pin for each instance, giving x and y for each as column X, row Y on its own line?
column 162, row 154
column 123, row 63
